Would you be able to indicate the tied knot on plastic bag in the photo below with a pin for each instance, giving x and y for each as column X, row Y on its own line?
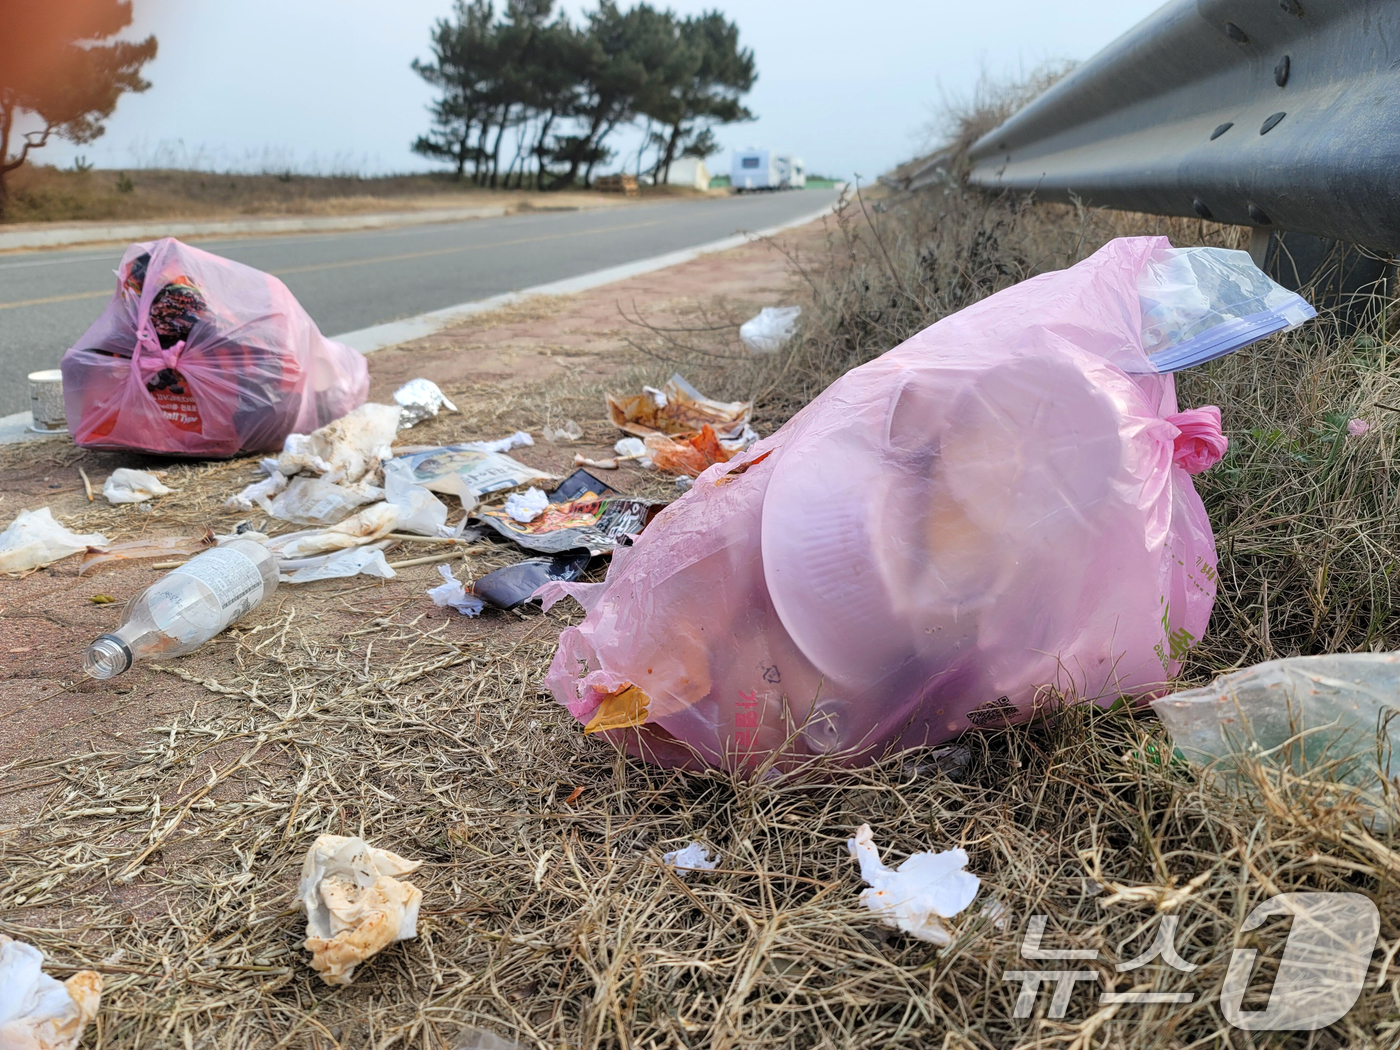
column 1200, row 443
column 151, row 358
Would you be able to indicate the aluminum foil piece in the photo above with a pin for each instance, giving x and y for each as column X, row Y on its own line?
column 420, row 399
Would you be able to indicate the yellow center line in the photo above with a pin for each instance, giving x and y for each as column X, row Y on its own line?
column 365, row 262
column 56, row 299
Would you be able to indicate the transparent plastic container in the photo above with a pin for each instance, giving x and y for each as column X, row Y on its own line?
column 186, row 607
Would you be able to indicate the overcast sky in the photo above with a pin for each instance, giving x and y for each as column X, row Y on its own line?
column 326, row 85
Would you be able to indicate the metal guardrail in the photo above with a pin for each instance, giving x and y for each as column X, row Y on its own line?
column 1277, row 115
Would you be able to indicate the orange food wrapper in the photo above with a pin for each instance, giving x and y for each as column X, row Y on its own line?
column 688, row 455
column 624, row 709
column 676, row 409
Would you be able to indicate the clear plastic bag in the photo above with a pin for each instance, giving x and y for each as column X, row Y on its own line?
column 771, row 329
column 34, row 539
column 196, row 355
column 1330, row 718
column 315, row 501
column 1199, row 304
column 995, row 514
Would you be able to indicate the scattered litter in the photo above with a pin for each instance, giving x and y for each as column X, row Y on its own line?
column 685, row 483
column 519, row 439
column 87, row 484
column 364, row 526
column 451, row 594
column 34, row 540
column 597, row 523
column 316, row 501
column 526, row 506
column 624, row 708
column 1198, row 304
column 469, row 473
column 185, row 608
column 771, row 329
column 419, row 511
column 298, row 454
column 355, row 904
column 345, row 450
column 420, row 399
column 740, row 442
column 133, row 486
column 630, row 448
column 136, row 550
column 580, row 460
column 694, row 857
column 914, row 897
column 101, row 599
column 569, row 431
column 517, row 584
column 677, row 409
column 196, row 355
column 38, row 1012
column 1358, row 428
column 1326, row 718
column 1009, row 506
column 353, row 561
column 690, row 455
column 580, row 483
column 253, row 495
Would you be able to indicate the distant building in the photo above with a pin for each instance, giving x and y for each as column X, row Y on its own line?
column 689, row 171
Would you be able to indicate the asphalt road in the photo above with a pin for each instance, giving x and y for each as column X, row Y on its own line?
column 353, row 280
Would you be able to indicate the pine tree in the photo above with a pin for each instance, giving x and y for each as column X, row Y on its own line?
column 56, row 70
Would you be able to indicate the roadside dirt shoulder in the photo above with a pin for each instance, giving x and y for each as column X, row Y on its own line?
column 538, row 362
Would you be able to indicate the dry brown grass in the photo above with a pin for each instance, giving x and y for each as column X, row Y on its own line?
column 46, row 194
column 554, row 923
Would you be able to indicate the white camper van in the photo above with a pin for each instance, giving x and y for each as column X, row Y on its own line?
column 762, row 169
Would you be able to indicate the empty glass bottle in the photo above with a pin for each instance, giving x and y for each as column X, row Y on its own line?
column 186, row 607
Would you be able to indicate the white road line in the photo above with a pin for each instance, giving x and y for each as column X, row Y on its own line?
column 381, row 336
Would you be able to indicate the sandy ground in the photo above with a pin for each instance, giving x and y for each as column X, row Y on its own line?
column 513, row 369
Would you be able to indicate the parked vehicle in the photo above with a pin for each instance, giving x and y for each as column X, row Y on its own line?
column 762, row 169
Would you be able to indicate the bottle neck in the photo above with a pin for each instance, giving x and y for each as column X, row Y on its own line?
column 108, row 656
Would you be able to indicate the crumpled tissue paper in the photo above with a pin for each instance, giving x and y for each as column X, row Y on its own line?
column 526, row 506
column 925, row 889
column 37, row 1012
column 355, row 904
column 133, row 486
column 452, row 593
column 694, row 857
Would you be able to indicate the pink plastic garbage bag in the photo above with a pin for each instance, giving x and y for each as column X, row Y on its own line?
column 995, row 515
column 196, row 355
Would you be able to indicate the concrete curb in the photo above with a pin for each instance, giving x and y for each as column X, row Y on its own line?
column 393, row 333
column 15, row 428
column 145, row 231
